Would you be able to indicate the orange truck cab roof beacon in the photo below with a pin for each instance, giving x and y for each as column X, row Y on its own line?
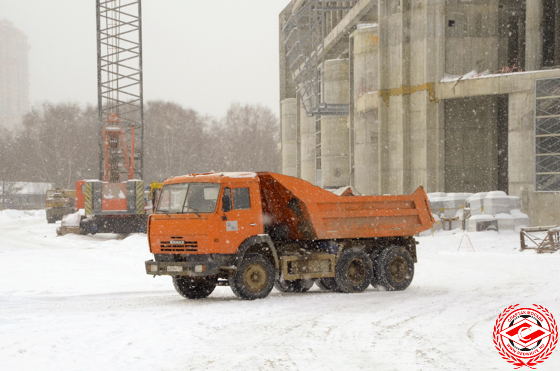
column 253, row 231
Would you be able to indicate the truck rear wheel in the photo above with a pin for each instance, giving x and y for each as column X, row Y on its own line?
column 354, row 271
column 394, row 269
column 194, row 287
column 301, row 285
column 254, row 278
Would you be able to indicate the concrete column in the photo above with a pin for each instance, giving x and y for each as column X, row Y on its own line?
column 288, row 113
column 366, row 59
column 533, row 35
column 335, row 165
column 433, row 179
column 472, row 42
column 394, row 124
column 383, row 81
column 521, row 148
column 308, row 144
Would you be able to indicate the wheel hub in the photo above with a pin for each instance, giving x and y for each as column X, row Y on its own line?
column 356, row 271
column 254, row 277
column 398, row 269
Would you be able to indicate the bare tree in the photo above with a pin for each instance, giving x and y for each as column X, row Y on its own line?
column 8, row 167
column 248, row 139
column 59, row 143
column 175, row 140
column 56, row 143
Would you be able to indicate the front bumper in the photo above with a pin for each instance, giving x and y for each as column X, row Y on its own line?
column 191, row 268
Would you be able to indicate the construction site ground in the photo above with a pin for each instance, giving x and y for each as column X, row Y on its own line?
column 85, row 303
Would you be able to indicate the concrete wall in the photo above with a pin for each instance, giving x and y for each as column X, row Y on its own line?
column 471, row 36
column 335, row 164
column 471, row 144
column 288, row 113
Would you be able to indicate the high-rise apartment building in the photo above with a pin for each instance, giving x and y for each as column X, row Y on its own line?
column 14, row 75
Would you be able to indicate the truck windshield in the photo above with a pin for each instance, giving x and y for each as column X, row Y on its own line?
column 188, row 198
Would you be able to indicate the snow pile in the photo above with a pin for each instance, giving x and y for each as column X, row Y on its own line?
column 72, row 220
column 10, row 214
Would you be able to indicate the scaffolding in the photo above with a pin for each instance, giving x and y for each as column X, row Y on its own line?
column 304, row 40
column 120, row 89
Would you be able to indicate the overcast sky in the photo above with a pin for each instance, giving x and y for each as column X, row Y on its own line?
column 201, row 54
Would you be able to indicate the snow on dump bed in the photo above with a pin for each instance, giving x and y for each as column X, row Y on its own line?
column 229, row 174
column 85, row 303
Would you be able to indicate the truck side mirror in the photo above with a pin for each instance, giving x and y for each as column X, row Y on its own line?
column 226, row 200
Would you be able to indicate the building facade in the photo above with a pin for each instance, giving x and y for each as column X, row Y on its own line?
column 452, row 95
column 14, row 75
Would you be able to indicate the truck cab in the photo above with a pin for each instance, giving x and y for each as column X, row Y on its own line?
column 204, row 215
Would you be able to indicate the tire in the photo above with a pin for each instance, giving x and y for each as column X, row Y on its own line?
column 327, row 283
column 394, row 269
column 354, row 271
column 374, row 257
column 254, row 278
column 301, row 285
column 194, row 287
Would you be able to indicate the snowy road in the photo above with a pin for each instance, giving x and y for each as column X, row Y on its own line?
column 85, row 303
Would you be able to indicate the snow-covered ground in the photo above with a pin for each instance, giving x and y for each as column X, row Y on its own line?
column 85, row 303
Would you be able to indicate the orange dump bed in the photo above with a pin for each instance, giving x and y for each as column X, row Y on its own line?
column 314, row 213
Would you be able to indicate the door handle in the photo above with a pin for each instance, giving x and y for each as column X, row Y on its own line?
column 253, row 224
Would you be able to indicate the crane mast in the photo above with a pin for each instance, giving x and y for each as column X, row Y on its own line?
column 120, row 90
column 116, row 202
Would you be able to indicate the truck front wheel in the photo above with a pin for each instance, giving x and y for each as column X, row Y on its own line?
column 254, row 278
column 354, row 271
column 394, row 269
column 194, row 287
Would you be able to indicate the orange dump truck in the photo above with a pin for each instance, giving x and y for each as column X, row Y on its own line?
column 253, row 231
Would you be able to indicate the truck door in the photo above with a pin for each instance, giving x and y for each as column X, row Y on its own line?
column 241, row 206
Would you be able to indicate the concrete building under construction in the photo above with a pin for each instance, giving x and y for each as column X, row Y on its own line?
column 453, row 95
column 14, row 75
